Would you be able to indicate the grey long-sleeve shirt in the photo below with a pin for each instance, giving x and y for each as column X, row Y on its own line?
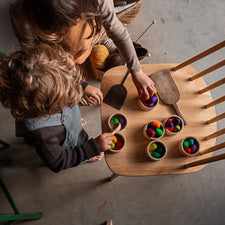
column 119, row 34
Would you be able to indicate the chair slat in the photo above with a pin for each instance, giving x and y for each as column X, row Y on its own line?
column 213, row 148
column 209, row 70
column 216, row 134
column 213, row 120
column 206, row 160
column 200, row 56
column 217, row 101
column 212, row 86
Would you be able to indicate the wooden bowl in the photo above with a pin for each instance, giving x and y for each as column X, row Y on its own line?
column 148, row 107
column 156, row 150
column 175, row 121
column 119, row 138
column 122, row 119
column 193, row 145
column 146, row 132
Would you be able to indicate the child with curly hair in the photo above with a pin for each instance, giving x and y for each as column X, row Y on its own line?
column 42, row 86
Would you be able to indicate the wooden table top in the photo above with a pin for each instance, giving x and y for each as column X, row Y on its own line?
column 132, row 160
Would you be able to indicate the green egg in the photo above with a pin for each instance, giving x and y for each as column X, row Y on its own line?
column 159, row 132
column 156, row 155
column 160, row 150
column 186, row 144
column 113, row 145
column 176, row 128
column 153, row 146
column 115, row 120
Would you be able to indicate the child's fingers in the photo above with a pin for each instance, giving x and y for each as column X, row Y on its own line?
column 98, row 96
column 92, row 101
column 84, row 101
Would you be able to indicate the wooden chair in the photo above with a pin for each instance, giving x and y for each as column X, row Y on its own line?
column 210, row 104
column 17, row 216
column 195, row 103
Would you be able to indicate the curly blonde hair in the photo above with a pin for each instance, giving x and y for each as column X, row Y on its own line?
column 39, row 81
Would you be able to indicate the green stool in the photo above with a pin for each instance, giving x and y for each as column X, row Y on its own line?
column 12, row 218
column 6, row 145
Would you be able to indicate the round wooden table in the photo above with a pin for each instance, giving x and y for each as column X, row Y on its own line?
column 132, row 161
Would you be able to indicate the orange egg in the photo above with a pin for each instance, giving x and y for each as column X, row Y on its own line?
column 155, row 124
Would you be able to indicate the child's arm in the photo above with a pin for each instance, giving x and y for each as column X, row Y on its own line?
column 48, row 144
column 121, row 38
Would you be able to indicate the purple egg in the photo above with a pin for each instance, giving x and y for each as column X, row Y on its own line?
column 122, row 120
column 153, row 99
column 169, row 123
column 176, row 121
column 151, row 104
column 193, row 148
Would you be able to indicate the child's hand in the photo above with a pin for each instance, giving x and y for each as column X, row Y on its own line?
column 145, row 86
column 104, row 141
column 93, row 95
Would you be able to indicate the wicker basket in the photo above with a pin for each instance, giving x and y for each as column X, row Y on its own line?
column 126, row 17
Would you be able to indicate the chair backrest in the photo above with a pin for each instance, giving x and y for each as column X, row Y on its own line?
column 210, row 104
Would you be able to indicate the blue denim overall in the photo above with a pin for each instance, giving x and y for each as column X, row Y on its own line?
column 70, row 118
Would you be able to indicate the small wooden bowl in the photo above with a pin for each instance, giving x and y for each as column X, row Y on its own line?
column 120, row 138
column 145, row 107
column 156, row 154
column 148, row 125
column 194, row 146
column 177, row 118
column 122, row 119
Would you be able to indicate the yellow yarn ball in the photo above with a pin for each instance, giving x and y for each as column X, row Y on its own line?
column 98, row 56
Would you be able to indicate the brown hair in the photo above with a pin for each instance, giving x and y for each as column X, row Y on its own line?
column 47, row 21
column 38, row 81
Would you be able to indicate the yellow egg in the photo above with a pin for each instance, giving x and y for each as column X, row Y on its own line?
column 98, row 56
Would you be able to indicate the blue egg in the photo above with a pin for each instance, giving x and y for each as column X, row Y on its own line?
column 191, row 141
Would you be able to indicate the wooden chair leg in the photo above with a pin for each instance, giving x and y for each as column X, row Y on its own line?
column 113, row 177
column 109, row 222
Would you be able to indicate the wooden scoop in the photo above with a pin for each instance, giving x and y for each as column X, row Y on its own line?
column 116, row 128
column 167, row 90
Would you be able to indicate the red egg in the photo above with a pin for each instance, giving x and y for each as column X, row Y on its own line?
column 188, row 150
column 150, row 132
column 119, row 145
column 170, row 129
